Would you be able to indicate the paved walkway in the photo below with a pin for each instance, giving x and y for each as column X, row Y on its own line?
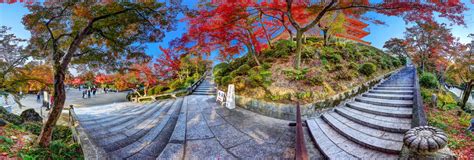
column 193, row 127
column 371, row 126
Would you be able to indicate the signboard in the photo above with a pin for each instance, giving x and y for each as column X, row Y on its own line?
column 220, row 96
column 230, row 99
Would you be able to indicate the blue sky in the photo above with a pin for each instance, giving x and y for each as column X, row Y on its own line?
column 11, row 15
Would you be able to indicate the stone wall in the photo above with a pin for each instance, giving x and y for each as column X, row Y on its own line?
column 288, row 111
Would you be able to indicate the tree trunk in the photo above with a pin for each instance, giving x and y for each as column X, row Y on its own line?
column 299, row 38
column 58, row 104
column 466, row 94
column 252, row 52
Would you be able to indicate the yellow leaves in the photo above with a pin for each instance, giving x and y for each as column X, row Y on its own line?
column 81, row 11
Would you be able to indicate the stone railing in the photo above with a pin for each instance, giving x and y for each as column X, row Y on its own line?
column 88, row 146
column 418, row 113
column 174, row 94
column 288, row 111
column 423, row 141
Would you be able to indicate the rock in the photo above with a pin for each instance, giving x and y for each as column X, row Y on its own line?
column 3, row 110
column 30, row 115
column 2, row 122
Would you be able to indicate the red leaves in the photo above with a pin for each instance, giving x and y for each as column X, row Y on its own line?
column 168, row 63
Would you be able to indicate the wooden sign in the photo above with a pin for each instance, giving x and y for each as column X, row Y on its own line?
column 230, row 99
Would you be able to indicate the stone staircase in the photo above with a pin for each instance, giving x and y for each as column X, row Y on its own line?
column 137, row 131
column 207, row 87
column 372, row 125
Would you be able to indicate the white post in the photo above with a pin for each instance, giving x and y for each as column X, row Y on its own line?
column 230, row 99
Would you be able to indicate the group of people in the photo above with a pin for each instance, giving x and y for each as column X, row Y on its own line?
column 88, row 92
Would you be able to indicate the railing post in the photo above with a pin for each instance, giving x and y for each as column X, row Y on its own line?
column 301, row 153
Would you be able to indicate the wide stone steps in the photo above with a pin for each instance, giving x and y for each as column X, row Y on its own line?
column 367, row 140
column 130, row 123
column 336, row 146
column 113, row 120
column 389, row 96
column 138, row 149
column 384, row 102
column 372, row 125
column 400, row 112
column 402, row 92
column 207, row 87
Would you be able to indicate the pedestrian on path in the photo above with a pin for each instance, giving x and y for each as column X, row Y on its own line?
column 88, row 93
column 51, row 99
column 94, row 90
column 38, row 96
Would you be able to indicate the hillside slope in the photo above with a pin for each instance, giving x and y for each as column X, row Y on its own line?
column 325, row 70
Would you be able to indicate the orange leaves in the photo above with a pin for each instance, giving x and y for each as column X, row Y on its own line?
column 81, row 11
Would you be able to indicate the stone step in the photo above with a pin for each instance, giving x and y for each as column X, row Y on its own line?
column 118, row 119
column 363, row 139
column 137, row 148
column 336, row 146
column 98, row 112
column 384, row 102
column 381, row 110
column 393, row 88
column 116, row 131
column 179, row 132
column 133, row 133
column 396, row 85
column 158, row 145
column 395, row 127
column 204, row 93
column 389, row 96
column 377, row 117
column 402, row 92
column 398, row 137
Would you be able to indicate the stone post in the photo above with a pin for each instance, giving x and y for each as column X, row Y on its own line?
column 434, row 100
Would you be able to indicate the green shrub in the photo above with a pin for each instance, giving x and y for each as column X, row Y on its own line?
column 226, row 80
column 428, row 80
column 259, row 77
column 334, row 58
column 317, row 79
column 368, row 69
column 157, row 90
column 396, row 62
column 338, row 67
column 295, row 74
column 345, row 75
column 353, row 65
column 177, row 84
column 57, row 150
column 220, row 69
column 283, row 48
column 189, row 81
column 242, row 70
column 324, row 61
column 403, row 60
column 308, row 51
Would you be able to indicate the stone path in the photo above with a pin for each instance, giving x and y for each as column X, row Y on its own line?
column 372, row 125
column 190, row 127
column 207, row 87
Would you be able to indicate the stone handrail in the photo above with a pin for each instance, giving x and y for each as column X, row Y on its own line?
column 89, row 148
column 188, row 90
column 418, row 112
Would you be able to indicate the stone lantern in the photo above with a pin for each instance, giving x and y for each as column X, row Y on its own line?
column 425, row 140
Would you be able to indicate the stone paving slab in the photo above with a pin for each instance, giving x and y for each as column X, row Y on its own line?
column 392, row 103
column 228, row 136
column 206, row 149
column 172, row 151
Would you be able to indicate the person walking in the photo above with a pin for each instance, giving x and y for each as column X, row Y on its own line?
column 38, row 96
column 88, row 93
column 94, row 90
column 51, row 99
column 45, row 100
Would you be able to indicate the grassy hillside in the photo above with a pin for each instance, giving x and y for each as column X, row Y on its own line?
column 325, row 70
